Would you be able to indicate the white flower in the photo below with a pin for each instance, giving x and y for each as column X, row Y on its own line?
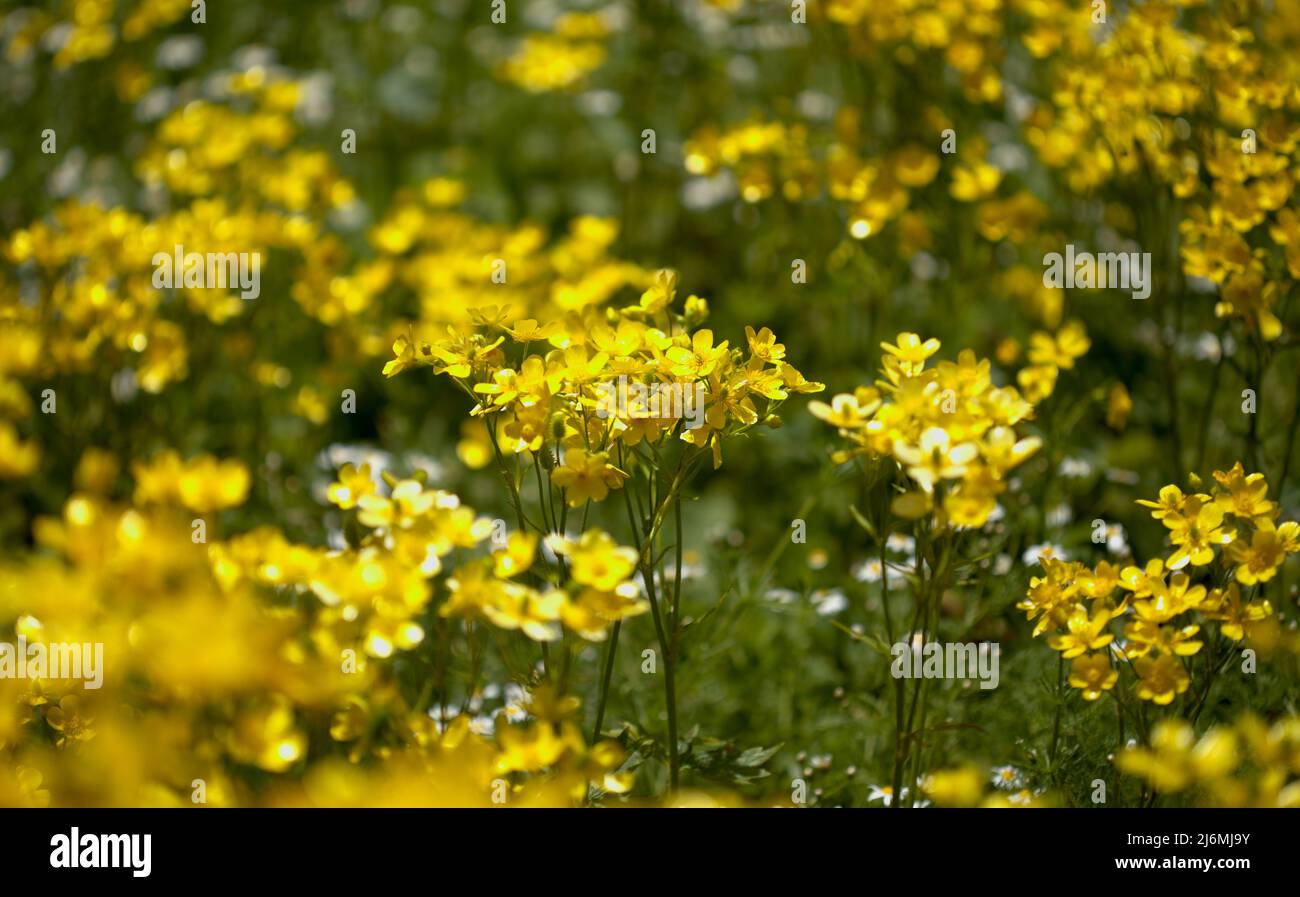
column 1034, row 552
column 867, row 571
column 1074, row 468
column 829, row 601
column 781, row 596
column 1008, row 778
column 884, row 794
column 1060, row 515
column 516, row 702
column 901, row 543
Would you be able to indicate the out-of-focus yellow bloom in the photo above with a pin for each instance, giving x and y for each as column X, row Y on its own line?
column 560, row 59
column 354, row 483
column 963, row 786
column 202, row 484
column 1118, row 407
column 1246, row 764
column 1160, row 679
column 1092, row 674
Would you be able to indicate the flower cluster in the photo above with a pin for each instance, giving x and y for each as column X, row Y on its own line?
column 461, row 271
column 240, row 189
column 928, row 34
column 85, row 30
column 376, row 592
column 968, row 785
column 1196, row 107
column 1202, row 105
column 558, row 59
column 259, row 654
column 1246, row 764
column 770, row 158
column 571, row 403
column 1228, row 537
column 762, row 155
column 948, row 427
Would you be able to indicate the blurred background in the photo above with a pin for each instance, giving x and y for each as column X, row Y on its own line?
column 800, row 179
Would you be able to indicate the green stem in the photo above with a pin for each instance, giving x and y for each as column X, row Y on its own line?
column 608, row 674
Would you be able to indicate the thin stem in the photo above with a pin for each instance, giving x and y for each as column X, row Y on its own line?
column 610, row 650
column 1056, row 719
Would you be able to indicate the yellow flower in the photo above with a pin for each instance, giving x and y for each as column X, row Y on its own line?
column 536, row 614
column 1196, row 530
column 404, row 352
column 1163, row 601
column 659, row 296
column 1142, row 582
column 592, row 611
column 976, row 181
column 407, row 501
column 911, row 505
column 700, row 360
column 1099, row 583
column 1161, row 679
column 29, row 784
column 475, row 446
column 265, row 736
column 1060, row 351
column 911, row 352
column 1165, row 764
column 1084, row 633
column 1176, row 760
column 960, row 787
column 1050, row 598
column 1092, row 674
column 586, row 476
column 534, row 747
column 935, row 458
column 598, row 561
column 69, row 721
column 847, row 411
column 1225, row 606
column 1145, row 637
column 353, row 484
column 1259, row 560
column 1170, row 502
column 528, row 330
column 763, row 345
column 517, row 556
column 206, row 484
column 796, row 382
column 1246, row 496
column 461, row 355
column 17, row 458
column 1003, row 451
column 1118, row 407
